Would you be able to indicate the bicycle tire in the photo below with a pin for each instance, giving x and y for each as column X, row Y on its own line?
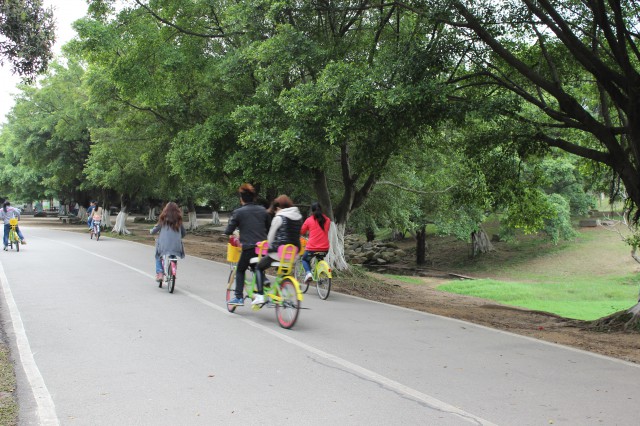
column 288, row 308
column 17, row 245
column 323, row 285
column 300, row 273
column 231, row 289
column 171, row 283
column 98, row 236
column 91, row 234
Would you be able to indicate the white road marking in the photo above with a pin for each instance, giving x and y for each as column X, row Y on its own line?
column 361, row 371
column 46, row 408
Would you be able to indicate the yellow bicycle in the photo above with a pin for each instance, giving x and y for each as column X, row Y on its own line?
column 284, row 293
column 13, row 234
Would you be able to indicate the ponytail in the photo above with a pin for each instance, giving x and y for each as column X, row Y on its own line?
column 316, row 209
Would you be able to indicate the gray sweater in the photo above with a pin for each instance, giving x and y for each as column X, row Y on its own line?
column 169, row 241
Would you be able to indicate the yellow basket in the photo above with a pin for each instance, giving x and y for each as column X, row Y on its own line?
column 233, row 253
column 13, row 221
column 303, row 245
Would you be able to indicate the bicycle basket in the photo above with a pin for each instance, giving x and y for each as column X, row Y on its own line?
column 233, row 253
column 13, row 221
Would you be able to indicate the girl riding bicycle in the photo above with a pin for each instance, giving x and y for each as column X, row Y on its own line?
column 285, row 229
column 6, row 214
column 317, row 225
column 169, row 242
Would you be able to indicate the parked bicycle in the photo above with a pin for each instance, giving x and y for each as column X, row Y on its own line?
column 319, row 269
column 284, row 293
column 95, row 229
column 170, row 269
column 13, row 234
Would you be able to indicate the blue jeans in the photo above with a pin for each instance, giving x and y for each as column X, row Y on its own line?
column 159, row 269
column 7, row 229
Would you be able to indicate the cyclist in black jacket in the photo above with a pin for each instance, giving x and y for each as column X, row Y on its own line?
column 253, row 221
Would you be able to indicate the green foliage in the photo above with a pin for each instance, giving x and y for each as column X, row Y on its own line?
column 27, row 30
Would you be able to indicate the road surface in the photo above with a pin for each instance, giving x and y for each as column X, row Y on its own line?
column 96, row 342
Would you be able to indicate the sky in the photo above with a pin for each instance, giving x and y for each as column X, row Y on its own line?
column 65, row 12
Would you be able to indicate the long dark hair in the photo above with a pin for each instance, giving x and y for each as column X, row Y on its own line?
column 316, row 210
column 4, row 206
column 171, row 216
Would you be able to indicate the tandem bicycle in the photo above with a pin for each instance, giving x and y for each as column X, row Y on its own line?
column 283, row 293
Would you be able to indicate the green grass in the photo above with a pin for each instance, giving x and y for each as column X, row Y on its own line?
column 8, row 405
column 584, row 298
column 407, row 279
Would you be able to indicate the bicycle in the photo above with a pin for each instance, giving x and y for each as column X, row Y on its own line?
column 13, row 234
column 95, row 229
column 284, row 293
column 170, row 269
column 319, row 269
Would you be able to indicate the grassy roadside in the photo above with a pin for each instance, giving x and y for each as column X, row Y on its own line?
column 585, row 279
column 8, row 404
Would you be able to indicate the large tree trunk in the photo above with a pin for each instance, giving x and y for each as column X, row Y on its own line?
column 82, row 214
column 335, row 256
column 153, row 213
column 121, row 220
column 215, row 218
column 421, row 246
column 480, row 242
column 193, row 219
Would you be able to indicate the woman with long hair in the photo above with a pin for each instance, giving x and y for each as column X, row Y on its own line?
column 317, row 225
column 171, row 230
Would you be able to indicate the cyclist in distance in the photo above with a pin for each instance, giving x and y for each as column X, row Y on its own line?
column 96, row 215
column 317, row 225
column 285, row 229
column 6, row 214
column 252, row 220
column 90, row 209
column 171, row 230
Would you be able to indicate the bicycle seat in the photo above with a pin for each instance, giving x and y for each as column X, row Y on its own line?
column 173, row 257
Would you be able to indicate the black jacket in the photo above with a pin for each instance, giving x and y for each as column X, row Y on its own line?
column 253, row 221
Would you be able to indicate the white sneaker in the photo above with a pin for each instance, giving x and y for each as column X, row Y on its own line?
column 259, row 300
column 308, row 278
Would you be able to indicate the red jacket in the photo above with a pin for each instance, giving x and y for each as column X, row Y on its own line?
column 318, row 237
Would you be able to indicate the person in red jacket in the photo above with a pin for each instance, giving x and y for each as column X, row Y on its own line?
column 317, row 225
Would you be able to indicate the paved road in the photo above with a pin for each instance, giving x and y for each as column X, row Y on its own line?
column 100, row 344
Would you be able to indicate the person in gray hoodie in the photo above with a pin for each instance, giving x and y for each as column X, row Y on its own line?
column 285, row 229
column 171, row 230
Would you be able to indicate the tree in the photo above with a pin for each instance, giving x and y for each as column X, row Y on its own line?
column 543, row 52
column 48, row 135
column 27, row 31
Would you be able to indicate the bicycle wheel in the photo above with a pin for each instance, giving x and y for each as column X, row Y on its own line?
column 171, row 282
column 98, row 235
column 288, row 308
column 231, row 289
column 91, row 234
column 300, row 273
column 323, row 285
column 17, row 245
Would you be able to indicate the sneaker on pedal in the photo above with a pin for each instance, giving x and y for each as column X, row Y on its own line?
column 6, row 248
column 159, row 276
column 258, row 300
column 23, row 242
column 308, row 278
column 236, row 301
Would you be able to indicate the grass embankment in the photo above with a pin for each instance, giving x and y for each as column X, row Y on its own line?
column 585, row 279
column 8, row 405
